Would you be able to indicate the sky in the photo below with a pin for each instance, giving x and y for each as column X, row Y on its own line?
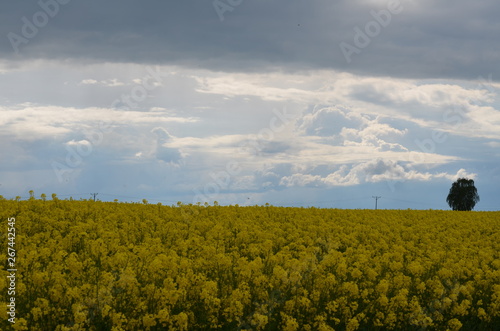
column 293, row 103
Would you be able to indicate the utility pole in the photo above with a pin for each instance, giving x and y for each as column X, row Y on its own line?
column 94, row 195
column 376, row 200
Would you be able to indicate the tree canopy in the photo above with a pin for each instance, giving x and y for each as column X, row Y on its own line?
column 463, row 195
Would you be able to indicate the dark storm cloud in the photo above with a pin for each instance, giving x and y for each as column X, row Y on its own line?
column 445, row 39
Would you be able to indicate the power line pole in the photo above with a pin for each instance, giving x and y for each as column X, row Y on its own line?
column 94, row 195
column 376, row 200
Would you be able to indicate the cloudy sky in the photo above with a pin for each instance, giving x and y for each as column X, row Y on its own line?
column 295, row 103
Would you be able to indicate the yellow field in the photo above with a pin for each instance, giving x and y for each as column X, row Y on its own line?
column 84, row 265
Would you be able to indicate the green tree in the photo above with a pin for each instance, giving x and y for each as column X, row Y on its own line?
column 463, row 195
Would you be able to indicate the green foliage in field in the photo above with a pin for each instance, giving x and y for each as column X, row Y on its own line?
column 85, row 265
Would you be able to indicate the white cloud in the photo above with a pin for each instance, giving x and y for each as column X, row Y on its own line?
column 368, row 172
column 361, row 131
column 494, row 144
column 89, row 82
column 462, row 173
column 434, row 95
column 431, row 105
column 34, row 122
column 113, row 82
column 78, row 143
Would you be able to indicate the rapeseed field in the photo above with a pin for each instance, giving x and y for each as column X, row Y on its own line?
column 85, row 265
